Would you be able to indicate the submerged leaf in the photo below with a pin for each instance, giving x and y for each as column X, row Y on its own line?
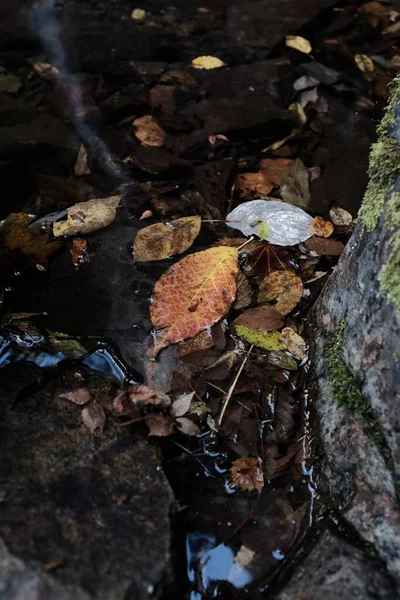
column 62, row 342
column 266, row 341
column 148, row 131
column 262, row 319
column 162, row 240
column 283, row 287
column 33, row 241
column 85, row 217
column 247, row 475
column 79, row 396
column 288, row 225
column 194, row 294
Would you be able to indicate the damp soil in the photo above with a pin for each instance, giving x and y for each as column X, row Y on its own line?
column 227, row 543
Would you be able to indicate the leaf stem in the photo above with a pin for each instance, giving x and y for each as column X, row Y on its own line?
column 233, row 386
column 251, row 238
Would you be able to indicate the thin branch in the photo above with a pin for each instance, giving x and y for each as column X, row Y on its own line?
column 251, row 238
column 233, row 386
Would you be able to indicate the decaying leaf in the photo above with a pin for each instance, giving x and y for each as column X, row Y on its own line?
column 254, row 185
column 181, row 406
column 142, row 395
column 194, row 294
column 282, row 360
column 199, row 408
column 148, row 131
column 32, row 241
column 244, row 293
column 282, row 287
column 159, row 425
column 325, row 247
column 364, row 63
column 244, row 557
column 79, row 252
column 340, row 217
column 274, row 168
column 262, row 319
column 267, row 341
column 247, row 475
column 85, row 217
column 287, row 224
column 94, row 417
column 295, row 185
column 298, row 43
column 187, row 426
column 321, row 227
column 293, row 342
column 63, row 343
column 47, row 71
column 79, row 396
column 162, row 240
column 207, row 62
column 262, row 258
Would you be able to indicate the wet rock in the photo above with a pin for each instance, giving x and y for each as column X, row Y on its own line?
column 335, row 570
column 82, row 516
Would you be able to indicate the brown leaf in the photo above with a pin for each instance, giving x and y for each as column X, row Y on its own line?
column 321, row 227
column 282, row 287
column 284, row 424
column 262, row 258
column 247, row 475
column 340, row 217
column 253, row 185
column 294, row 342
column 159, row 425
column 244, row 292
column 262, row 318
column 295, row 184
column 141, row 395
column 78, row 396
column 324, row 246
column 148, row 131
column 79, row 252
column 81, row 164
column 162, row 240
column 32, row 241
column 274, row 168
column 94, row 417
column 181, row 406
column 187, row 426
column 85, row 217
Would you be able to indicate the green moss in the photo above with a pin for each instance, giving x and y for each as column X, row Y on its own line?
column 390, row 274
column 346, row 392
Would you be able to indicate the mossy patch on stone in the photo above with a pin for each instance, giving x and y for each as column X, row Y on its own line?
column 390, row 274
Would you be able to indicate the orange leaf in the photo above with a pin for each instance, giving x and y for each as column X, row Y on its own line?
column 254, row 185
column 282, row 287
column 321, row 227
column 247, row 475
column 274, row 168
column 194, row 294
column 148, row 131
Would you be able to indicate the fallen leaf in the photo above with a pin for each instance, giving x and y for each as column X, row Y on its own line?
column 340, row 217
column 194, row 294
column 262, row 319
column 199, row 408
column 284, row 424
column 94, row 417
column 298, row 43
column 79, row 252
column 159, row 425
column 142, row 395
column 148, row 131
column 364, row 63
column 213, row 138
column 138, row 14
column 287, row 224
column 274, row 168
column 47, row 71
column 283, row 287
column 266, row 341
column 295, row 184
column 297, row 113
column 321, row 227
column 10, row 83
column 247, row 475
column 229, row 359
column 253, row 185
column 34, row 241
column 375, row 13
column 181, row 406
column 201, row 341
column 262, row 258
column 63, row 343
column 85, row 217
column 324, row 246
column 162, row 240
column 244, row 292
column 187, row 426
column 79, row 396
column 244, row 557
column 207, row 62
column 282, row 360
column 293, row 342
column 147, row 214
column 81, row 164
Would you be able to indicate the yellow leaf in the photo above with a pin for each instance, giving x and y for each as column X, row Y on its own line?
column 138, row 14
column 207, row 62
column 161, row 240
column 283, row 287
column 293, row 342
column 321, row 227
column 194, row 294
column 85, row 217
column 267, row 341
column 298, row 43
column 364, row 63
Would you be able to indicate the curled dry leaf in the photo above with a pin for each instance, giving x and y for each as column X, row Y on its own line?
column 148, row 131
column 79, row 396
column 159, row 425
column 85, row 217
column 247, row 475
column 262, row 319
column 298, row 43
column 340, row 217
column 181, row 406
column 162, row 240
column 321, row 227
column 253, row 185
column 207, row 62
column 94, row 417
column 282, row 287
column 324, row 246
column 293, row 342
column 364, row 63
column 194, row 294
column 32, row 241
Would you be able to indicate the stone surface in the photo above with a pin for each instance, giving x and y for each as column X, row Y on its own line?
column 98, row 503
column 336, row 570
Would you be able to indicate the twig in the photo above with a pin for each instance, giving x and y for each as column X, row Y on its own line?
column 233, row 386
column 251, row 238
column 193, row 455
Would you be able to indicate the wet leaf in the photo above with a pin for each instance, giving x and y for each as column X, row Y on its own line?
column 34, row 241
column 181, row 406
column 94, row 417
column 244, row 293
column 194, row 294
column 199, row 408
column 254, row 185
column 295, row 184
column 148, row 131
column 325, row 247
column 298, row 43
column 321, row 227
column 274, row 168
column 247, row 475
column 85, row 217
column 142, row 395
column 282, row 360
column 340, row 216
column 63, row 343
column 293, row 342
column 187, row 426
column 79, row 252
column 207, row 62
column 162, row 240
column 266, row 341
column 10, row 83
column 288, row 225
column 159, row 425
column 262, row 258
column 282, row 287
column 262, row 319
column 284, row 424
column 364, row 63
column 79, row 396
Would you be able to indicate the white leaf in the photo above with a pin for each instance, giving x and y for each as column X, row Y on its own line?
column 277, row 222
